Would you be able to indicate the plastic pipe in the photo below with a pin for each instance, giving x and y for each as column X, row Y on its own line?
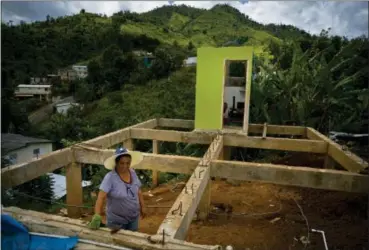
column 82, row 240
column 323, row 235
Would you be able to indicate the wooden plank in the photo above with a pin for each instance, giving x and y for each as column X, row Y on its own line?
column 172, row 136
column 116, row 137
column 74, row 189
column 253, row 128
column 52, row 224
column 18, row 174
column 155, row 173
column 175, row 123
column 277, row 129
column 162, row 163
column 345, row 158
column 294, row 176
column 285, row 144
column 128, row 144
column 179, row 217
column 231, row 139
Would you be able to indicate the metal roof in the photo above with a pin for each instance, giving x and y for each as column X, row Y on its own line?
column 10, row 142
column 33, row 86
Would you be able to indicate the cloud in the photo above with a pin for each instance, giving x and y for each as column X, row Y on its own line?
column 345, row 18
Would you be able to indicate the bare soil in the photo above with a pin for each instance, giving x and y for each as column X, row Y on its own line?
column 267, row 216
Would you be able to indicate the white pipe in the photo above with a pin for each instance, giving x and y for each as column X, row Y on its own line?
column 323, row 235
column 82, row 240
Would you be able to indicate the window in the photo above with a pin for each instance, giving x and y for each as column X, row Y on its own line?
column 13, row 158
column 36, row 153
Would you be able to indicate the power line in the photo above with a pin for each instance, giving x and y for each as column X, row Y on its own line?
column 47, row 200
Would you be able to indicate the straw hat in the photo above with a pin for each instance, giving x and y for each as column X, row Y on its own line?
column 136, row 157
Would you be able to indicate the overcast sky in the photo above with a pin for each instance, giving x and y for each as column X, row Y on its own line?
column 348, row 19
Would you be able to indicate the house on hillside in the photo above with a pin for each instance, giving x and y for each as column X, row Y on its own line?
column 18, row 148
column 81, row 71
column 190, row 61
column 39, row 81
column 32, row 90
column 67, row 75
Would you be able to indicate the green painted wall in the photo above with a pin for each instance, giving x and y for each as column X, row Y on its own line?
column 209, row 83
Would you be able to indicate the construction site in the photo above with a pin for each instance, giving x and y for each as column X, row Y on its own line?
column 315, row 199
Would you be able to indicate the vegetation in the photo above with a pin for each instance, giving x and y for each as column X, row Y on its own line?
column 301, row 79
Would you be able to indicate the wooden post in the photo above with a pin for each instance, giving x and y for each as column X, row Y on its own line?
column 128, row 144
column 155, row 173
column 74, row 190
column 329, row 163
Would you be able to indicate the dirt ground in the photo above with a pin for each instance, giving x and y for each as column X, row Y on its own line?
column 266, row 216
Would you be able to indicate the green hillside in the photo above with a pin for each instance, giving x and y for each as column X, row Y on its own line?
column 214, row 27
column 172, row 33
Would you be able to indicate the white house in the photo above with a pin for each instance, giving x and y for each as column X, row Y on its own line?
column 190, row 61
column 18, row 148
column 31, row 90
column 62, row 108
column 81, row 70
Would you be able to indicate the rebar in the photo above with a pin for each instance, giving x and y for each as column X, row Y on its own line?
column 179, row 208
column 200, row 173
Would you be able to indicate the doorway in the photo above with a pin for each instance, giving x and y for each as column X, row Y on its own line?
column 234, row 93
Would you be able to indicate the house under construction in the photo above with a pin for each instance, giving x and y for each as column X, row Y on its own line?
column 208, row 128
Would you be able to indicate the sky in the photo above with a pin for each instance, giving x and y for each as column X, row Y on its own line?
column 348, row 19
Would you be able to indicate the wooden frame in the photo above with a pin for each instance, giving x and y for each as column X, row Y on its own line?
column 197, row 194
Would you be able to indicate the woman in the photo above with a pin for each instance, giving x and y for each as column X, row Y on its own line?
column 121, row 189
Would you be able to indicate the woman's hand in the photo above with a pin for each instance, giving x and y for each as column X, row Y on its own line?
column 143, row 212
column 95, row 222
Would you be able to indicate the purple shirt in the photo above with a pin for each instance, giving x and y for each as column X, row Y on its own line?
column 123, row 204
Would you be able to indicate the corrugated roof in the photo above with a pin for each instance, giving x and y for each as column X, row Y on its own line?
column 191, row 60
column 33, row 86
column 10, row 142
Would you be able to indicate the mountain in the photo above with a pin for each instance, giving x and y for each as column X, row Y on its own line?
column 43, row 47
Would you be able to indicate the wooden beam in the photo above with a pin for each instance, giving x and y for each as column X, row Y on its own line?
column 172, row 136
column 18, row 174
column 294, row 176
column 52, row 224
column 116, row 137
column 74, row 189
column 179, row 217
column 231, row 139
column 345, row 158
column 175, row 123
column 162, row 163
column 128, row 144
column 285, row 144
column 277, row 129
column 253, row 128
column 155, row 173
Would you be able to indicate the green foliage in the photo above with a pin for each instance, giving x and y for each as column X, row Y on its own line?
column 319, row 89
